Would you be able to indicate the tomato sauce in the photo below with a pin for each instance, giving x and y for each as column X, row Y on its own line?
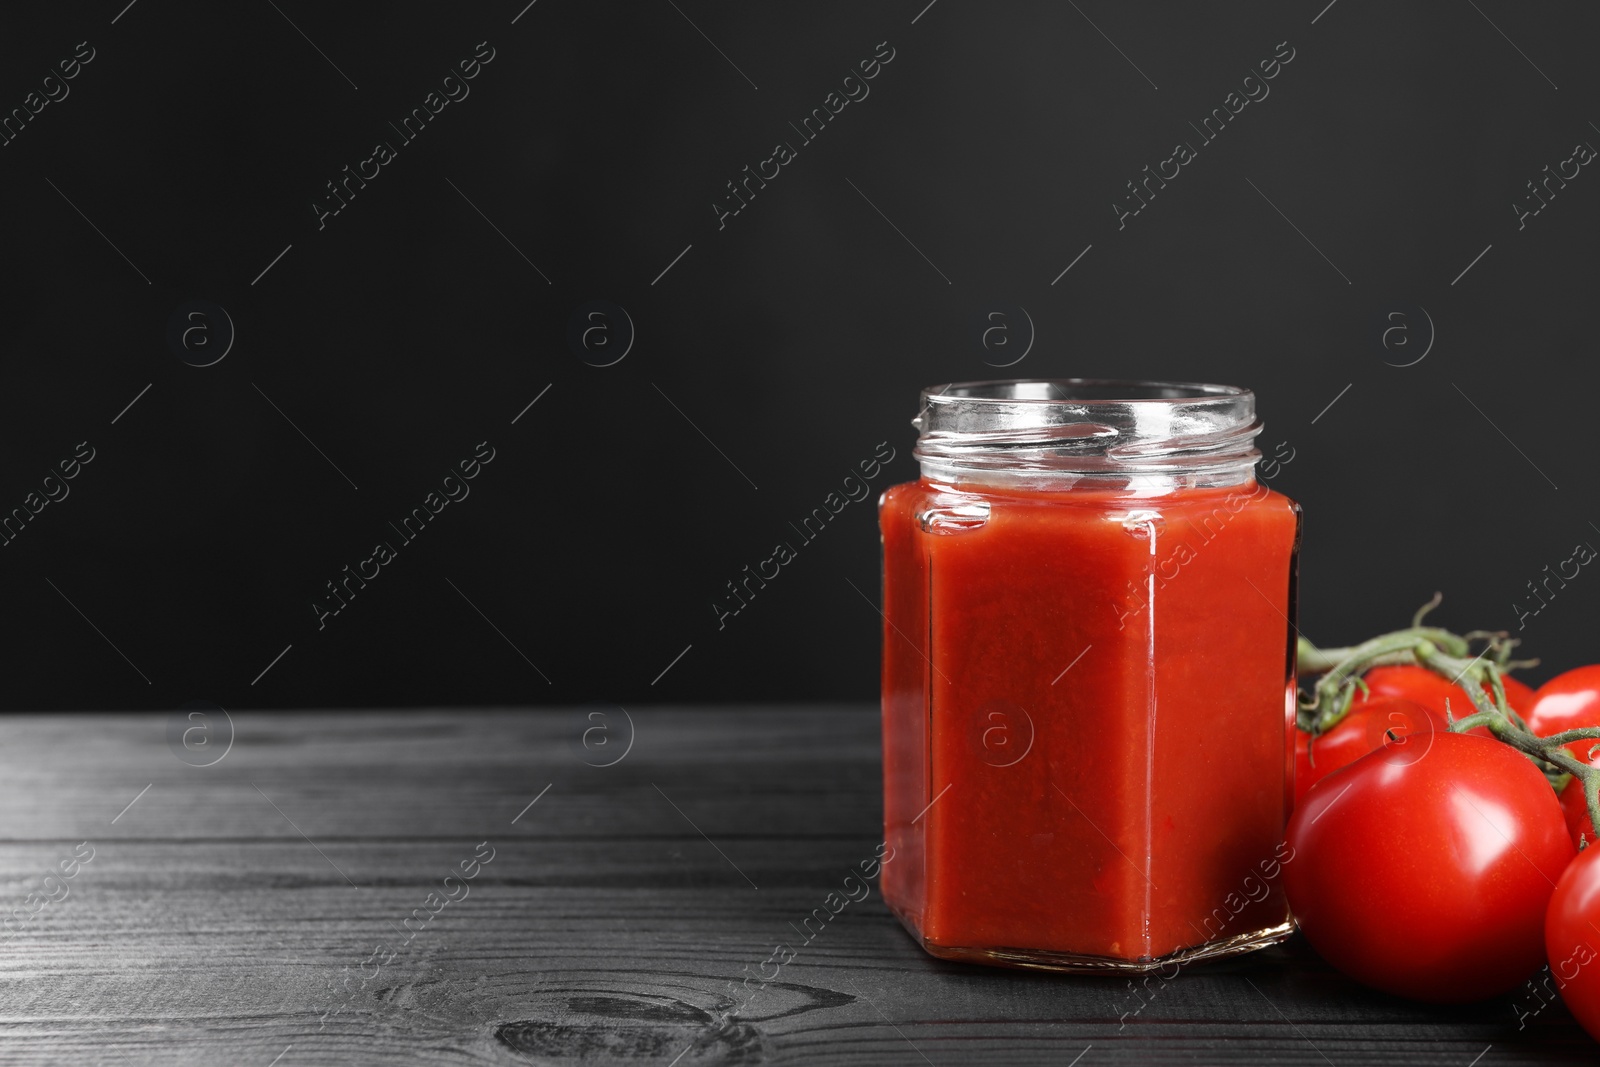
column 1087, row 720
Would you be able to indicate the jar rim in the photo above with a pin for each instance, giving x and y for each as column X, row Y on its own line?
column 1081, row 391
column 1066, row 431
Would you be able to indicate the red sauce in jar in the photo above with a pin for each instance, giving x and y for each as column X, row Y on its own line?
column 1087, row 720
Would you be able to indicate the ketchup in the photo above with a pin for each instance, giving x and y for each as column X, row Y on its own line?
column 1087, row 720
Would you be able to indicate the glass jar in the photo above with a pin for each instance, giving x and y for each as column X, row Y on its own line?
column 1088, row 677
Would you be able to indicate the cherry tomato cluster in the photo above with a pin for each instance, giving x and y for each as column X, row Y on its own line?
column 1433, row 859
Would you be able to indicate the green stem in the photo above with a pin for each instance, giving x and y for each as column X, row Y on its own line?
column 1566, row 737
column 1334, row 692
column 1480, row 677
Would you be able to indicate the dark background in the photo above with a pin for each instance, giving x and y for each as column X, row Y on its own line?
column 778, row 351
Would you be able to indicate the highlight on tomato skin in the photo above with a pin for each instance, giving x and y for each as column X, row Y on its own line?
column 1370, row 725
column 1427, row 873
column 1572, row 939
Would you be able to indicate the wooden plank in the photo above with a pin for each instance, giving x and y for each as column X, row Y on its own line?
column 605, row 929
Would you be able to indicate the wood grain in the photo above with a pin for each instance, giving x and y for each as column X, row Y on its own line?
column 222, row 910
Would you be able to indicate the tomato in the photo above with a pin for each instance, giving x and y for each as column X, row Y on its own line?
column 1424, row 870
column 1567, row 702
column 1572, row 938
column 1431, row 690
column 1573, row 805
column 1576, row 812
column 1365, row 727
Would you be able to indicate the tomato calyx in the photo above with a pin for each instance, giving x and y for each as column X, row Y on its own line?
column 1480, row 676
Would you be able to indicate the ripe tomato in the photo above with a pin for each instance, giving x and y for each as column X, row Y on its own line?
column 1366, row 727
column 1576, row 812
column 1567, row 702
column 1426, row 871
column 1572, row 938
column 1573, row 806
column 1424, row 687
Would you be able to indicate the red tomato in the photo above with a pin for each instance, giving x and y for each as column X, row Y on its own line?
column 1426, row 871
column 1576, row 811
column 1567, row 702
column 1431, row 690
column 1366, row 727
column 1573, row 805
column 1572, row 938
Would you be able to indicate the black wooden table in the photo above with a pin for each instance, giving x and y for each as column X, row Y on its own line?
column 479, row 887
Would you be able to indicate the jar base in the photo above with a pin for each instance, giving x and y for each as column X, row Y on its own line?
column 1072, row 962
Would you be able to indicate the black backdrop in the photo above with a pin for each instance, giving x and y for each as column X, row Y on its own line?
column 770, row 351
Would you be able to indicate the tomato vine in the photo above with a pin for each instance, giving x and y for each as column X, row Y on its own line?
column 1480, row 677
